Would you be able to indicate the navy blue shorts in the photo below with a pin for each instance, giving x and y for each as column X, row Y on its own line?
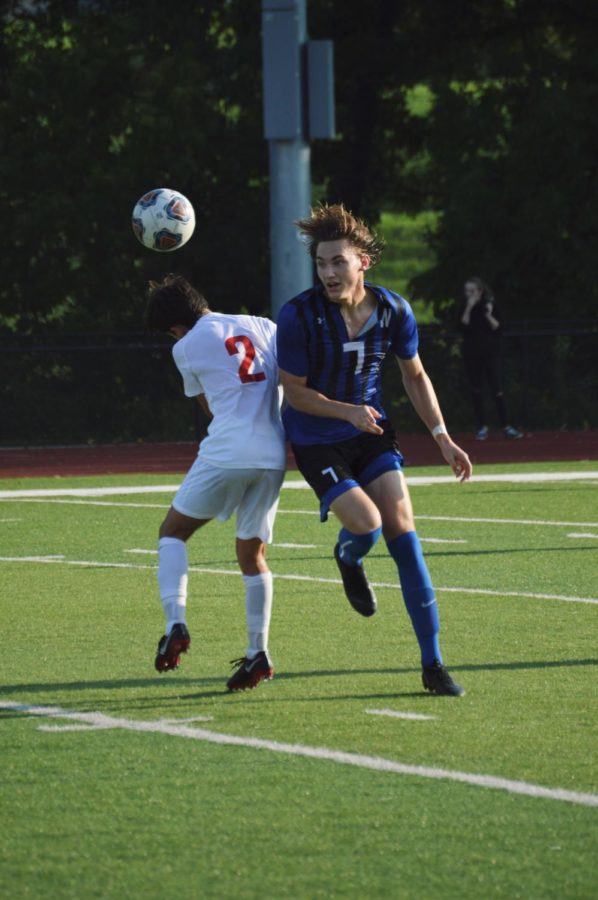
column 332, row 469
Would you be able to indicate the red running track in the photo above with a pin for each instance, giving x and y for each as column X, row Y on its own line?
column 418, row 450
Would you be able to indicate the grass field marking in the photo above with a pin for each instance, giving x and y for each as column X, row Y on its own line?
column 376, row 763
column 528, row 594
column 208, row 570
column 85, row 502
column 586, row 535
column 508, row 477
column 296, row 546
column 103, row 726
column 188, row 719
column 395, row 714
column 59, row 728
column 123, row 490
column 94, row 564
column 50, row 558
column 491, row 521
column 297, row 484
column 312, row 512
column 431, row 540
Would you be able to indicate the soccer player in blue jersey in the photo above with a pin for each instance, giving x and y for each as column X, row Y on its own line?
column 332, row 340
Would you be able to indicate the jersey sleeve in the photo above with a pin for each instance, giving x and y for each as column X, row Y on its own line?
column 268, row 330
column 406, row 339
column 191, row 383
column 291, row 349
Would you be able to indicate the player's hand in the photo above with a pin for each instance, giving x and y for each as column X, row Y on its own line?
column 364, row 418
column 457, row 459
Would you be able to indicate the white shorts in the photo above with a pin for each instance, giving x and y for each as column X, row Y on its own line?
column 210, row 492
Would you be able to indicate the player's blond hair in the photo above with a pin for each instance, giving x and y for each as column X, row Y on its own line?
column 335, row 223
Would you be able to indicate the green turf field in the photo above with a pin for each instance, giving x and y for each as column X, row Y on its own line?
column 339, row 779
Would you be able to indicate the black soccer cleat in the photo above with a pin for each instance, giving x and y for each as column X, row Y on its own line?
column 435, row 678
column 357, row 587
column 170, row 647
column 250, row 672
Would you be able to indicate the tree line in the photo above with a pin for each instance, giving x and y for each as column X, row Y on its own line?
column 480, row 110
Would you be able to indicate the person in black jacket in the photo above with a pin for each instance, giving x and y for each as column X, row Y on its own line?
column 480, row 322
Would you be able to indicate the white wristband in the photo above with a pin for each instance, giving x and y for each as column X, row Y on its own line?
column 440, row 429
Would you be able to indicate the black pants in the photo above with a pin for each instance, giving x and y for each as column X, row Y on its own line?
column 482, row 370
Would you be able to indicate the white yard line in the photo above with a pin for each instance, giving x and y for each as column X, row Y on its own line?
column 492, row 521
column 376, row 763
column 99, row 726
column 395, row 714
column 528, row 594
column 467, row 519
column 431, row 540
column 84, row 502
column 285, row 546
column 50, row 558
column 208, row 570
column 307, row 512
column 115, row 490
column 296, row 546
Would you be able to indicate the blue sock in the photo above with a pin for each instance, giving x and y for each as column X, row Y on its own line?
column 353, row 547
column 418, row 593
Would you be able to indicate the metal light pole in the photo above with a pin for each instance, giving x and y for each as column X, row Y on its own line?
column 298, row 106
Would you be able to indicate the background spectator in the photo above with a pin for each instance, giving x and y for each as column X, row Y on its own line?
column 480, row 321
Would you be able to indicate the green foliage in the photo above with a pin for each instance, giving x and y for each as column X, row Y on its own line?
column 485, row 113
column 94, row 123
column 479, row 117
column 482, row 113
column 407, row 254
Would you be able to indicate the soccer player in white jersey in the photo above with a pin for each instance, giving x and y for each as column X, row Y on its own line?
column 229, row 363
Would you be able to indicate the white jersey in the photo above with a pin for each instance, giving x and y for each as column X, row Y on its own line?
column 232, row 360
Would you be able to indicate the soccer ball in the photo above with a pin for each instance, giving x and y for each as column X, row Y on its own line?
column 163, row 220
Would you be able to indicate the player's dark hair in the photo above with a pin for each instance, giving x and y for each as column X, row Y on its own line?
column 335, row 223
column 173, row 301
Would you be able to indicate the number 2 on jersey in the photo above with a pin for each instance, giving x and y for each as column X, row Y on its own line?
column 245, row 375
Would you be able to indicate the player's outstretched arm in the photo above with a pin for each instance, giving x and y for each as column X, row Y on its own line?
column 423, row 397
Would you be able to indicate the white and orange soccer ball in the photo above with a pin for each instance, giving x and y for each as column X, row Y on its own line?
column 163, row 220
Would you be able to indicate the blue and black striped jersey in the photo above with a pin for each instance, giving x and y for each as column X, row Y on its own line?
column 312, row 342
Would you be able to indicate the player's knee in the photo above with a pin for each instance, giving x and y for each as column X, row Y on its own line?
column 251, row 556
column 360, row 518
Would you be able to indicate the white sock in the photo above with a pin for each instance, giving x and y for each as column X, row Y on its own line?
column 172, row 580
column 258, row 609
